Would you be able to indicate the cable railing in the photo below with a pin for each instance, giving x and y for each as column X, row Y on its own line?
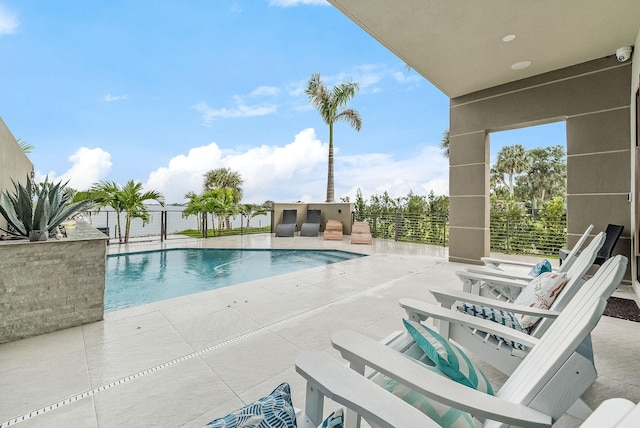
column 524, row 234
column 425, row 229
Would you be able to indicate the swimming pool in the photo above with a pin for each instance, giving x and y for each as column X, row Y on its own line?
column 149, row 276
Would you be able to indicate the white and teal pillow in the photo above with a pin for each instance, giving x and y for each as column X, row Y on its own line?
column 448, row 357
column 540, row 293
column 273, row 411
column 334, row 420
column 508, row 319
column 443, row 415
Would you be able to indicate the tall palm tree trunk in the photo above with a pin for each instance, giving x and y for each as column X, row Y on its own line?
column 330, row 188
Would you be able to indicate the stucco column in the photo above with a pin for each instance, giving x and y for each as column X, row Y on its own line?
column 469, row 160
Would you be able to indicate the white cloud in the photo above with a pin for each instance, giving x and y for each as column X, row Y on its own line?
column 240, row 110
column 297, row 171
column 110, row 98
column 290, row 3
column 8, row 22
column 376, row 173
column 265, row 91
column 269, row 172
column 88, row 166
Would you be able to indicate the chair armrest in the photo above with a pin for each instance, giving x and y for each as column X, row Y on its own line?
column 471, row 281
column 482, row 270
column 419, row 311
column 495, row 263
column 448, row 298
column 362, row 351
column 327, row 377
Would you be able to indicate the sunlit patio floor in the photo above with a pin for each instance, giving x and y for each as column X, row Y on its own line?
column 186, row 361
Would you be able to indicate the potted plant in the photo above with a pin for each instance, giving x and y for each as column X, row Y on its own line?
column 34, row 211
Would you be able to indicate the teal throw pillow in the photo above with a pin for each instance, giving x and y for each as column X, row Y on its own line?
column 273, row 411
column 448, row 357
column 543, row 266
column 334, row 420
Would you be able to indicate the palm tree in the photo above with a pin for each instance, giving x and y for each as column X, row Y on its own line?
column 444, row 143
column 195, row 207
column 328, row 103
column 512, row 160
column 132, row 200
column 107, row 194
column 252, row 210
column 219, row 203
column 225, row 178
column 26, row 147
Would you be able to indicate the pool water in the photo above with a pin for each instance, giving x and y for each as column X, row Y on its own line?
column 146, row 277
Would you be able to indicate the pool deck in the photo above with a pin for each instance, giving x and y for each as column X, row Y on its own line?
column 183, row 362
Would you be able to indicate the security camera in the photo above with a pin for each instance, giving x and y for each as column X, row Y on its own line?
column 623, row 53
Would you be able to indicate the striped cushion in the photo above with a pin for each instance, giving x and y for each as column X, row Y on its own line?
column 273, row 411
column 496, row 315
column 442, row 414
column 448, row 357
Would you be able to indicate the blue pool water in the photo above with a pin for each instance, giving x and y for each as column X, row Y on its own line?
column 145, row 277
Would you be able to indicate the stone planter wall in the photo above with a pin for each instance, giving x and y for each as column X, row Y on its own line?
column 52, row 285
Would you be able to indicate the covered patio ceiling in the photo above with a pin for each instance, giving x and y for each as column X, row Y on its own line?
column 460, row 47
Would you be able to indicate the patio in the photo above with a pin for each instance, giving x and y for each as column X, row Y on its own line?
column 185, row 361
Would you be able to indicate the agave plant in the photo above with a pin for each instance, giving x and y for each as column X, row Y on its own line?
column 38, row 207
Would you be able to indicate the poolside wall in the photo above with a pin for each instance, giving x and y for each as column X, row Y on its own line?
column 52, row 285
column 14, row 163
column 341, row 211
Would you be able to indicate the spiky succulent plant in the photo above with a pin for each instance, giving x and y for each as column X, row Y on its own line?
column 38, row 207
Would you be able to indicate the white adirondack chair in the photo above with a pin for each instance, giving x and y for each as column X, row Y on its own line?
column 497, row 263
column 551, row 377
column 506, row 286
column 479, row 336
column 614, row 413
column 330, row 378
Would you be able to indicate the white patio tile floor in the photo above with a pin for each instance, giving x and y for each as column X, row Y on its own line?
column 185, row 361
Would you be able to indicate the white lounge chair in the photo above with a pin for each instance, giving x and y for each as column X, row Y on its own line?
column 497, row 263
column 614, row 413
column 551, row 377
column 506, row 286
column 481, row 337
column 328, row 377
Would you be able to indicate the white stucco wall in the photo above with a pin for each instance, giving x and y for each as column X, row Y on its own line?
column 635, row 83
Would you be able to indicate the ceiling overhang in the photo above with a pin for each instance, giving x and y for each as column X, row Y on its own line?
column 464, row 46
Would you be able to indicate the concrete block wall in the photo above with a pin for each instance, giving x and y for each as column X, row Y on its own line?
column 51, row 285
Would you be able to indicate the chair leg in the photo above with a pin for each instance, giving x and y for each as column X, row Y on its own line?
column 580, row 410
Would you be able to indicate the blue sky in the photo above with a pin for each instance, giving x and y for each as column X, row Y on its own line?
column 161, row 91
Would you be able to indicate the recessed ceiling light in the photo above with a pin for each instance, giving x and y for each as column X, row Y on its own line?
column 508, row 37
column 520, row 65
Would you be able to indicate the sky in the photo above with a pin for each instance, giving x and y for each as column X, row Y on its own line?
column 162, row 91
